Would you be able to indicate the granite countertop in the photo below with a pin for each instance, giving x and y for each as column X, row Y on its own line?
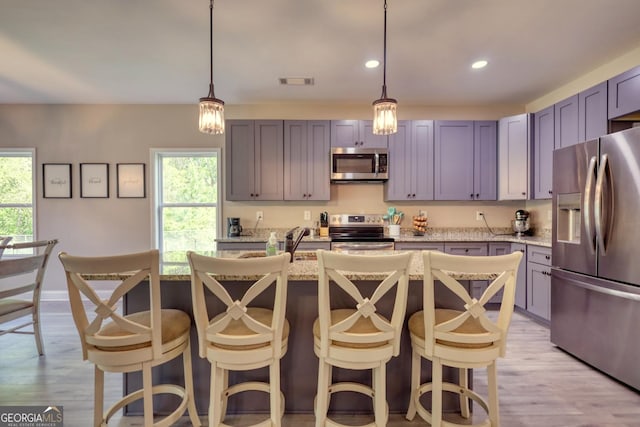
column 432, row 235
column 303, row 268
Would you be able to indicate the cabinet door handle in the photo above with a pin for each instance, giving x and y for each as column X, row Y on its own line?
column 547, row 257
column 309, row 195
column 477, row 195
column 413, row 195
column 471, row 195
column 524, row 194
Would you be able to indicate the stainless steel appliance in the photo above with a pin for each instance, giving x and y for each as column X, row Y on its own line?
column 233, row 227
column 358, row 232
column 352, row 164
column 595, row 281
column 521, row 223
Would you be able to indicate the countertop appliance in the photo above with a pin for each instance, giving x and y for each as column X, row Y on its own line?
column 595, row 279
column 358, row 232
column 351, row 164
column 233, row 227
column 521, row 223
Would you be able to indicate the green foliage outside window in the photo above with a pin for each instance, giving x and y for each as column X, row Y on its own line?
column 16, row 196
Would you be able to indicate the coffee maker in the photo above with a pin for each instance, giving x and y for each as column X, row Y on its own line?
column 521, row 223
column 233, row 227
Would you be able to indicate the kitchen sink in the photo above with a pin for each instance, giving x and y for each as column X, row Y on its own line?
column 298, row 256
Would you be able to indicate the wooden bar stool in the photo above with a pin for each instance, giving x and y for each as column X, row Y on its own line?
column 243, row 336
column 135, row 342
column 358, row 337
column 463, row 339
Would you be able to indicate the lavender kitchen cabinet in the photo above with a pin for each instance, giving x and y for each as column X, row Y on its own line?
column 624, row 93
column 356, row 133
column 306, row 160
column 543, row 146
column 465, row 160
column 592, row 112
column 539, row 281
column 485, row 167
column 254, row 159
column 566, row 122
column 514, row 135
column 454, row 160
column 410, row 162
column 521, row 280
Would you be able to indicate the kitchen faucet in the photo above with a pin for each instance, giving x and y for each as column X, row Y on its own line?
column 291, row 246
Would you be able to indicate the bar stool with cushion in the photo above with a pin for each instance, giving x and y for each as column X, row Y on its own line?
column 465, row 339
column 25, row 275
column 135, row 342
column 356, row 335
column 241, row 334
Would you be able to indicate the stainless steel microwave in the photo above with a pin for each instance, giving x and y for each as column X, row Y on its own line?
column 359, row 164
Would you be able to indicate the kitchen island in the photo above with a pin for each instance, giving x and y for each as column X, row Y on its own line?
column 299, row 366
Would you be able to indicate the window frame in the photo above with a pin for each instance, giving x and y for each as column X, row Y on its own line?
column 157, row 154
column 25, row 152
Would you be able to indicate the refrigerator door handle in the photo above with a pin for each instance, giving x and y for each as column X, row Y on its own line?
column 598, row 210
column 586, row 204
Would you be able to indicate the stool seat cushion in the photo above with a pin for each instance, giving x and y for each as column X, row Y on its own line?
column 363, row 325
column 470, row 326
column 175, row 323
column 239, row 329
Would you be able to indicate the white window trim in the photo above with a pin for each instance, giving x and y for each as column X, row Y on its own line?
column 155, row 190
column 34, row 184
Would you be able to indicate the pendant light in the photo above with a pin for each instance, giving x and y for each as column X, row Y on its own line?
column 211, row 108
column 385, row 118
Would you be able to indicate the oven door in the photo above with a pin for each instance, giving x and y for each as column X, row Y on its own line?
column 359, row 245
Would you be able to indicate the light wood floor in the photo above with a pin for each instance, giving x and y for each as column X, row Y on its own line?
column 539, row 384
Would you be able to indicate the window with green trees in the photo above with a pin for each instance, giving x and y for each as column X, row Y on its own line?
column 187, row 202
column 17, row 194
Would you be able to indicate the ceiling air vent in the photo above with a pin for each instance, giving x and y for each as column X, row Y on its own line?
column 296, row 81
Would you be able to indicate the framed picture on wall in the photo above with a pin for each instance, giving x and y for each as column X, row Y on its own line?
column 56, row 180
column 94, row 180
column 131, row 180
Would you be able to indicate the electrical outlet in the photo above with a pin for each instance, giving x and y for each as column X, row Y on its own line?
column 259, row 216
column 307, row 215
column 422, row 212
column 479, row 215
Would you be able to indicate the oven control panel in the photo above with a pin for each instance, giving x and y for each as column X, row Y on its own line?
column 351, row 220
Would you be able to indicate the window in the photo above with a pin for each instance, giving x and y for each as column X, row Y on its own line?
column 187, row 202
column 17, row 193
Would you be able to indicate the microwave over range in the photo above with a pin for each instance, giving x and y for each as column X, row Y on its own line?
column 350, row 164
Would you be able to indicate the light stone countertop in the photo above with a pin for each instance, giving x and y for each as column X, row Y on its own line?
column 304, row 268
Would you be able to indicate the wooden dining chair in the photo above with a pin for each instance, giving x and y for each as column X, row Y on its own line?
column 355, row 334
column 240, row 334
column 4, row 241
column 465, row 338
column 138, row 341
column 20, row 292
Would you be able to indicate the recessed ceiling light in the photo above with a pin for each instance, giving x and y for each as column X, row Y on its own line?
column 372, row 63
column 479, row 64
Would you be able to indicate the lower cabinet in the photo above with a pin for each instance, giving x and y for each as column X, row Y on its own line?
column 419, row 246
column 521, row 280
column 261, row 246
column 539, row 281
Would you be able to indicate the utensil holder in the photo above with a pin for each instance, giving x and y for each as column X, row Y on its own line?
column 394, row 229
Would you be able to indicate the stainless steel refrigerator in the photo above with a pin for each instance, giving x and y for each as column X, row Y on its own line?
column 595, row 279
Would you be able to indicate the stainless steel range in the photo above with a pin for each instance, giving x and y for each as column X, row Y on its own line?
column 358, row 232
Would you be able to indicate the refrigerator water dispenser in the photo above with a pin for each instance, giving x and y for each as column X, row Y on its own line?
column 569, row 218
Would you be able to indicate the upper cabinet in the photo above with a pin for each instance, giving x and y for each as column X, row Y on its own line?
column 254, row 159
column 465, row 160
column 411, row 162
column 513, row 157
column 624, row 93
column 543, row 146
column 356, row 133
column 592, row 112
column 306, row 160
column 566, row 122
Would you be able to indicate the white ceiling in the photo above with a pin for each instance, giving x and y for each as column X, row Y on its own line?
column 157, row 51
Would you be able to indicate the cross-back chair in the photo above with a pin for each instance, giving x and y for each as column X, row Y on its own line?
column 240, row 334
column 22, row 275
column 356, row 336
column 114, row 342
column 465, row 338
column 4, row 241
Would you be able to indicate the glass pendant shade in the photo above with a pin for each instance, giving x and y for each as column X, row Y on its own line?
column 211, row 116
column 385, row 118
